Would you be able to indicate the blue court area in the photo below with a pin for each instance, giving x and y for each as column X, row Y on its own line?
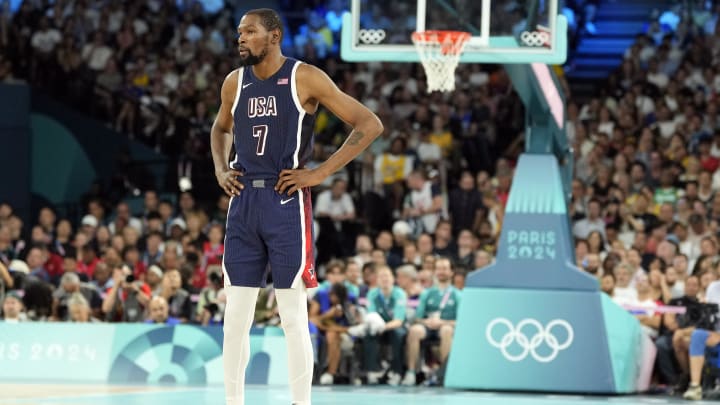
column 275, row 395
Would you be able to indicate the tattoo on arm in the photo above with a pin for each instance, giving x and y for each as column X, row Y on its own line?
column 355, row 138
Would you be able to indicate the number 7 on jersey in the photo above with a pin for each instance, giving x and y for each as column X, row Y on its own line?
column 260, row 132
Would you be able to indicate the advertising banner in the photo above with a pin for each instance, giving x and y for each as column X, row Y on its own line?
column 132, row 353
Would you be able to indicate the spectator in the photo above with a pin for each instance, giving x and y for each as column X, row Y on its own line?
column 334, row 315
column 152, row 253
column 593, row 222
column 7, row 250
column 649, row 320
column 123, row 218
column 36, row 262
column 607, row 284
column 38, row 300
column 13, row 309
column 672, row 323
column 88, row 261
column 177, row 297
column 6, row 280
column 407, row 281
column 369, row 276
column 127, row 299
column 79, row 309
column 335, row 274
column 211, row 301
column 423, row 205
column 444, row 244
column 335, row 212
column 410, row 254
column 391, row 170
column 353, row 275
column 389, row 302
column 213, row 248
column 96, row 53
column 70, row 284
column 465, row 254
column 435, row 318
column 154, row 278
column 482, row 259
column 89, row 225
column 102, row 279
column 363, row 249
column 159, row 312
column 384, row 250
column 44, row 41
column 62, row 243
column 465, row 205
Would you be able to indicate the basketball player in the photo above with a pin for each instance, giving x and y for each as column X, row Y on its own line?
column 267, row 111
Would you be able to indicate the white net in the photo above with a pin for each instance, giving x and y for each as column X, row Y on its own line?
column 440, row 54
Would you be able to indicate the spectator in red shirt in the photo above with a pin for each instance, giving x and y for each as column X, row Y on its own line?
column 707, row 161
column 214, row 248
column 88, row 261
column 127, row 299
column 131, row 257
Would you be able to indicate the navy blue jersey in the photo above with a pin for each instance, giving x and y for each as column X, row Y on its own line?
column 272, row 131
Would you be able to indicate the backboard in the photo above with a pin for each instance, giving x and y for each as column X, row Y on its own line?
column 503, row 31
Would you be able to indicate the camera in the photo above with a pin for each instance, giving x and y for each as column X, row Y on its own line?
column 699, row 315
column 129, row 278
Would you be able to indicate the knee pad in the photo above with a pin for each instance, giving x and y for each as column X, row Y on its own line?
column 697, row 342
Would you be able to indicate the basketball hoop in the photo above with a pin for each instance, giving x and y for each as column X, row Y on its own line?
column 440, row 54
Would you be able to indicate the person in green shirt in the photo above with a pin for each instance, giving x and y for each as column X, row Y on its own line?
column 666, row 192
column 389, row 302
column 435, row 318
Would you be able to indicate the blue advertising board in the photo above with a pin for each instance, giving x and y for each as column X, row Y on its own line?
column 132, row 353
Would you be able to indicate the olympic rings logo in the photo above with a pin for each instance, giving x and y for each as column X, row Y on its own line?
column 535, row 38
column 371, row 36
column 529, row 344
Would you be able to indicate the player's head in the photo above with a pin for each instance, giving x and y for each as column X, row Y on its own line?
column 260, row 32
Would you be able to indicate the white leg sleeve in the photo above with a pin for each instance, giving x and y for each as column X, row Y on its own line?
column 239, row 314
column 292, row 304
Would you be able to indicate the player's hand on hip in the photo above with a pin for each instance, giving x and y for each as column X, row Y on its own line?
column 292, row 180
column 228, row 181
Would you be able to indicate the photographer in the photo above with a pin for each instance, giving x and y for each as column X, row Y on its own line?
column 127, row 299
column 211, row 303
column 70, row 284
column 700, row 338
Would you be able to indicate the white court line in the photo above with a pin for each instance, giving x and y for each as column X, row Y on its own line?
column 104, row 394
